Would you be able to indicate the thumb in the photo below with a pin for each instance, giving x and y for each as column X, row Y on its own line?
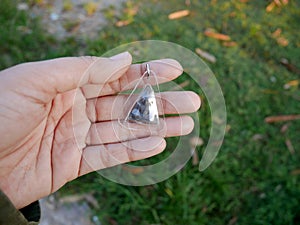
column 104, row 70
column 76, row 72
column 64, row 74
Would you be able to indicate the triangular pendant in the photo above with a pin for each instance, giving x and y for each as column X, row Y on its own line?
column 144, row 110
column 139, row 112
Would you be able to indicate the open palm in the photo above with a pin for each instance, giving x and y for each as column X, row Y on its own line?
column 57, row 121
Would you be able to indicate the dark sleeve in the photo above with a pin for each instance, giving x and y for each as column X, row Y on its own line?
column 29, row 215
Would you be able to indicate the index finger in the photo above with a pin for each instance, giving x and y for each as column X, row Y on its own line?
column 164, row 69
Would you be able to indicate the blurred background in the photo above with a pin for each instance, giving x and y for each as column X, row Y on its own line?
column 253, row 48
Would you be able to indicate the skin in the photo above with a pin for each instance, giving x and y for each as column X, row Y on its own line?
column 57, row 121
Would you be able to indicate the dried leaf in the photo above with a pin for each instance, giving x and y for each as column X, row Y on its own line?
column 217, row 120
column 196, row 141
column 131, row 11
column 178, row 14
column 270, row 7
column 276, row 33
column 232, row 14
column 292, row 83
column 233, row 220
column 133, row 170
column 122, row 23
column 40, row 2
column 169, row 192
column 211, row 33
column 289, row 66
column 277, row 2
column 204, row 209
column 290, row 146
column 295, row 172
column 209, row 57
column 75, row 28
column 281, row 118
column 111, row 221
column 195, row 159
column 282, row 41
column 77, row 198
column 71, row 198
column 92, row 200
column 284, row 128
column 228, row 128
column 217, row 143
column 229, row 44
column 257, row 137
column 181, row 85
column 184, row 83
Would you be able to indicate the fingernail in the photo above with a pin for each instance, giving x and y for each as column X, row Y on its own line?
column 188, row 125
column 121, row 56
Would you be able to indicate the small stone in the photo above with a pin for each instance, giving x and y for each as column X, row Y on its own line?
column 54, row 16
column 22, row 6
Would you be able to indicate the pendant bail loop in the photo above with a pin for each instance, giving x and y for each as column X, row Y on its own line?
column 141, row 107
column 148, row 70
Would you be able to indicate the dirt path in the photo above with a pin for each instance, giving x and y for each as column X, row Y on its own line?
column 58, row 212
column 82, row 18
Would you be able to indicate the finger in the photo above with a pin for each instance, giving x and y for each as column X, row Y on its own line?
column 104, row 70
column 104, row 156
column 47, row 78
column 164, row 69
column 108, row 107
column 113, row 131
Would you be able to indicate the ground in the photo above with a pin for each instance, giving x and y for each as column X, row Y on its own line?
column 82, row 18
column 254, row 51
column 75, row 211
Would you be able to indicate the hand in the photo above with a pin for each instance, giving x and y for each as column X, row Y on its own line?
column 48, row 136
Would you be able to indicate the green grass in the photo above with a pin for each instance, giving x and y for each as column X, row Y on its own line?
column 252, row 179
column 23, row 39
